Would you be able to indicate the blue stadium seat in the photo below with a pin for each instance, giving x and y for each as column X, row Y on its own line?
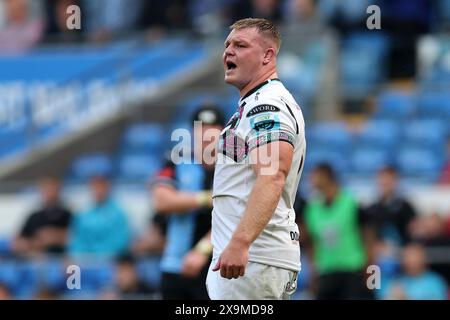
column 53, row 274
column 324, row 155
column 330, row 135
column 20, row 277
column 98, row 276
column 396, row 105
column 361, row 52
column 437, row 79
column 375, row 41
column 149, row 138
column 367, row 161
column 420, row 163
column 5, row 246
column 8, row 274
column 379, row 134
column 138, row 167
column 356, row 81
column 426, row 133
column 434, row 104
column 28, row 284
column 149, row 271
column 88, row 165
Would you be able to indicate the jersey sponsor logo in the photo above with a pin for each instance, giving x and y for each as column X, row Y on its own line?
column 262, row 108
column 265, row 122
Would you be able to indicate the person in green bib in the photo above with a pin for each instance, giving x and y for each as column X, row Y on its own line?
column 334, row 225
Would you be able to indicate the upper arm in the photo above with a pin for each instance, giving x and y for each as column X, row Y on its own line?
column 164, row 183
column 270, row 130
column 272, row 159
column 166, row 176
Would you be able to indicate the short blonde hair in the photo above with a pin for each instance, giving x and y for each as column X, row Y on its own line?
column 264, row 26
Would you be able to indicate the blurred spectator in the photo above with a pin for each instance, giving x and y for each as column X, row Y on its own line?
column 127, row 283
column 106, row 19
column 300, row 205
column 24, row 25
column 302, row 17
column 445, row 175
column 158, row 17
column 345, row 15
column 183, row 192
column 102, row 230
column 429, row 229
column 405, row 21
column 267, row 9
column 391, row 214
column 45, row 230
column 154, row 239
column 333, row 222
column 417, row 282
column 56, row 26
column 5, row 293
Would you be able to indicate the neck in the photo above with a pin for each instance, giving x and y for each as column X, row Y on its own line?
column 270, row 74
column 331, row 193
column 387, row 196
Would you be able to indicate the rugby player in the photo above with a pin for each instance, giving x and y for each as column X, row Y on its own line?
column 256, row 253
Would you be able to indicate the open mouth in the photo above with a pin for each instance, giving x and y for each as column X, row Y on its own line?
column 231, row 65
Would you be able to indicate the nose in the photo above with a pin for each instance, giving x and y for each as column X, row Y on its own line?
column 228, row 52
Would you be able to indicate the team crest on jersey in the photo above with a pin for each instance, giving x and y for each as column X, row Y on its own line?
column 262, row 108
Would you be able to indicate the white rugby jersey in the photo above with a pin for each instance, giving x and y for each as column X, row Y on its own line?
column 267, row 113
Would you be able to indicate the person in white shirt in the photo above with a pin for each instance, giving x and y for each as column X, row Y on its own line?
column 261, row 154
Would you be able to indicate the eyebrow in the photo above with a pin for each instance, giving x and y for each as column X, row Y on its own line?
column 237, row 40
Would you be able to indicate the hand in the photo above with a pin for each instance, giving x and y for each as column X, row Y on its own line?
column 233, row 260
column 193, row 263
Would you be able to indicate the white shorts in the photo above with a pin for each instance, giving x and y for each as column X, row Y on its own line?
column 260, row 282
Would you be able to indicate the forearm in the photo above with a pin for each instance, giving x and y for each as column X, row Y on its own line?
column 262, row 203
column 180, row 202
column 49, row 236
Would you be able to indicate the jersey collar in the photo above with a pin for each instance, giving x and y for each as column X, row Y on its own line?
column 259, row 86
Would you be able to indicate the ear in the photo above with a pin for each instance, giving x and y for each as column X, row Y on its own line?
column 269, row 55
